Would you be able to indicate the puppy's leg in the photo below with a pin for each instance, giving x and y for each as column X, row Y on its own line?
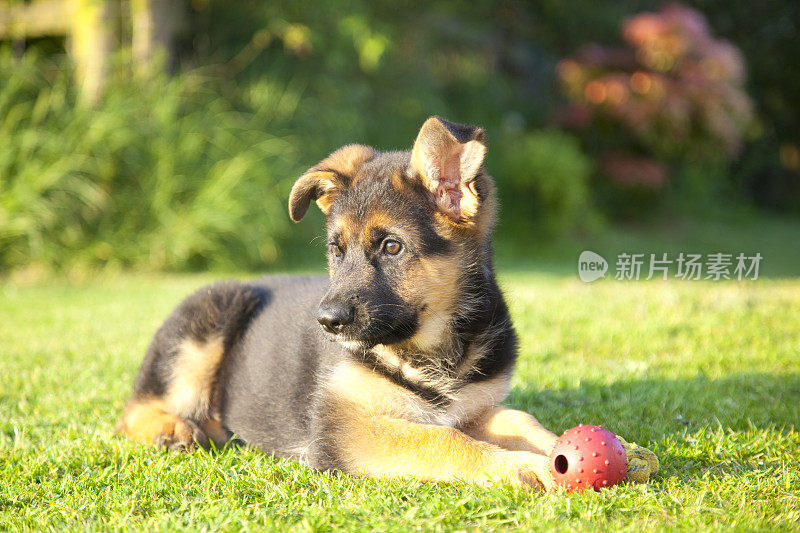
column 512, row 430
column 146, row 420
column 380, row 446
column 174, row 416
column 175, row 390
column 369, row 425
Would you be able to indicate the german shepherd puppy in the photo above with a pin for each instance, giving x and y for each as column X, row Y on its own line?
column 393, row 365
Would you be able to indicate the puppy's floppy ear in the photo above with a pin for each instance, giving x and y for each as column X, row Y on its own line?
column 448, row 157
column 326, row 179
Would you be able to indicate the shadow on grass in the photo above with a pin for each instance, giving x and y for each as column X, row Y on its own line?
column 695, row 425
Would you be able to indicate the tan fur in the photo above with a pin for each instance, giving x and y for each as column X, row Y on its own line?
column 338, row 170
column 328, row 182
column 439, row 158
column 467, row 401
column 474, row 352
column 373, row 393
column 381, row 432
column 380, row 446
column 375, row 220
column 347, row 160
column 346, row 226
column 147, row 420
column 389, row 356
column 215, row 431
column 166, row 420
column 193, row 377
column 473, row 154
column 512, row 430
column 324, row 180
column 398, row 180
column 475, row 398
column 432, row 283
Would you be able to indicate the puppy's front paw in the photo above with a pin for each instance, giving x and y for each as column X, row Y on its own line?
column 528, row 469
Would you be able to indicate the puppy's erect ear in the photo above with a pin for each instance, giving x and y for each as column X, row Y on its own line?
column 326, row 179
column 448, row 157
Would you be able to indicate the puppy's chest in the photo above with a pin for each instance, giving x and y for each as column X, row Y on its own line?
column 469, row 401
column 391, row 386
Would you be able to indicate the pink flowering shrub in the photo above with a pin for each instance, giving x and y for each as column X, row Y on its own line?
column 674, row 94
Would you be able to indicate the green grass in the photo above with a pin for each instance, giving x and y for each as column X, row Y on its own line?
column 730, row 230
column 705, row 374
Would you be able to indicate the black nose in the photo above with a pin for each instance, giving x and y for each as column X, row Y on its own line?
column 335, row 316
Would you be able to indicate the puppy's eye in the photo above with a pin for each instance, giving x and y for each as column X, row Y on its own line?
column 336, row 249
column 392, row 247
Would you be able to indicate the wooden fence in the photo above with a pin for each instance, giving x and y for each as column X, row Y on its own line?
column 93, row 30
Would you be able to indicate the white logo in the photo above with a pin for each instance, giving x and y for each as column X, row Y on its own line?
column 591, row 266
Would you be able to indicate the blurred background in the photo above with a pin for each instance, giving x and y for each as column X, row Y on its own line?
column 165, row 135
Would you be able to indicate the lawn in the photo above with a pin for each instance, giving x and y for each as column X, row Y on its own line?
column 705, row 374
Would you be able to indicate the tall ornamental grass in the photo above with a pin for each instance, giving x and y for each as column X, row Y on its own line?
column 163, row 173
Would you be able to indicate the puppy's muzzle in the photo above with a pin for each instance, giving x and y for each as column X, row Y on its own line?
column 334, row 316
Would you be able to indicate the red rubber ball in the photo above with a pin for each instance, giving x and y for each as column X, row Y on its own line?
column 588, row 456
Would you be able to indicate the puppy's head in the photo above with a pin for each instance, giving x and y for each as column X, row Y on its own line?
column 402, row 229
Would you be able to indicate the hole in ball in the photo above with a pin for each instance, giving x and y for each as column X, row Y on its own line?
column 561, row 464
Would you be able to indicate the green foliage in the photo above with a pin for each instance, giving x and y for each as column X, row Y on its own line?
column 546, row 178
column 192, row 170
column 162, row 174
column 373, row 71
